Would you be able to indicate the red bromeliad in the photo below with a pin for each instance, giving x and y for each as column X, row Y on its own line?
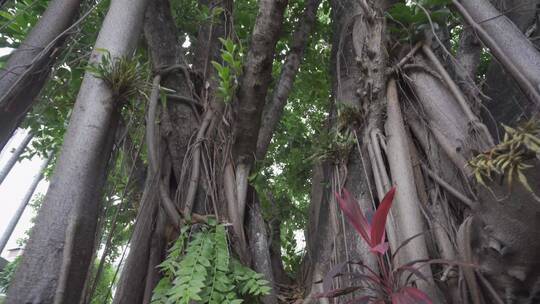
column 373, row 233
column 388, row 284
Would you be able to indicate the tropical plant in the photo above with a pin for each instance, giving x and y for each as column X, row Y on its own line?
column 510, row 158
column 386, row 285
column 200, row 268
column 230, row 70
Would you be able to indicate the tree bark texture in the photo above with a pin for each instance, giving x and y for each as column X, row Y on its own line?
column 60, row 248
column 358, row 83
column 507, row 43
column 273, row 109
column 507, row 103
column 131, row 285
column 256, row 78
column 28, row 67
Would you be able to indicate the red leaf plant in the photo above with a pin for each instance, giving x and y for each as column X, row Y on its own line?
column 384, row 285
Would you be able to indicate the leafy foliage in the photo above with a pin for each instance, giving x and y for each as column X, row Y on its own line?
column 123, row 75
column 520, row 146
column 229, row 71
column 7, row 274
column 409, row 21
column 387, row 284
column 17, row 19
column 200, row 268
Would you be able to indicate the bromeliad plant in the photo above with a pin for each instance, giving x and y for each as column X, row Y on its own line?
column 385, row 285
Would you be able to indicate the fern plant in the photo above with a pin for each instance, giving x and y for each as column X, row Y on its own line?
column 200, row 269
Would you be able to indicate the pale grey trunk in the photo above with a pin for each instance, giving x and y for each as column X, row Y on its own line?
column 515, row 52
column 507, row 104
column 28, row 67
column 14, row 157
column 26, row 199
column 258, row 239
column 406, row 209
column 60, row 248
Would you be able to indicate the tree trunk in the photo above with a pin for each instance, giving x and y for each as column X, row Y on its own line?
column 357, row 67
column 507, row 43
column 507, row 103
column 28, row 67
column 130, row 287
column 58, row 254
column 14, row 157
column 178, row 124
column 273, row 109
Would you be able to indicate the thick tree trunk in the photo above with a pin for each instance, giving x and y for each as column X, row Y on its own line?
column 248, row 109
column 58, row 254
column 507, row 102
column 27, row 69
column 358, row 62
column 507, row 43
column 178, row 123
column 14, row 157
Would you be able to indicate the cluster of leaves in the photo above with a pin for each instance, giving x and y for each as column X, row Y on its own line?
column 17, row 18
column 124, row 76
column 387, row 285
column 519, row 147
column 409, row 21
column 200, row 269
column 334, row 146
column 101, row 294
column 230, row 71
column 7, row 274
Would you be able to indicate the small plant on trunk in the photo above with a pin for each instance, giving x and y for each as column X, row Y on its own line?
column 123, row 75
column 518, row 151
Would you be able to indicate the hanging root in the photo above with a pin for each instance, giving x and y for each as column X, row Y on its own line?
column 175, row 216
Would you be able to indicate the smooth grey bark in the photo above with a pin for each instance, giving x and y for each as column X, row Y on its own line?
column 29, row 66
column 259, row 247
column 14, row 157
column 58, row 254
column 26, row 199
column 507, row 103
column 515, row 48
column 406, row 207
column 468, row 60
